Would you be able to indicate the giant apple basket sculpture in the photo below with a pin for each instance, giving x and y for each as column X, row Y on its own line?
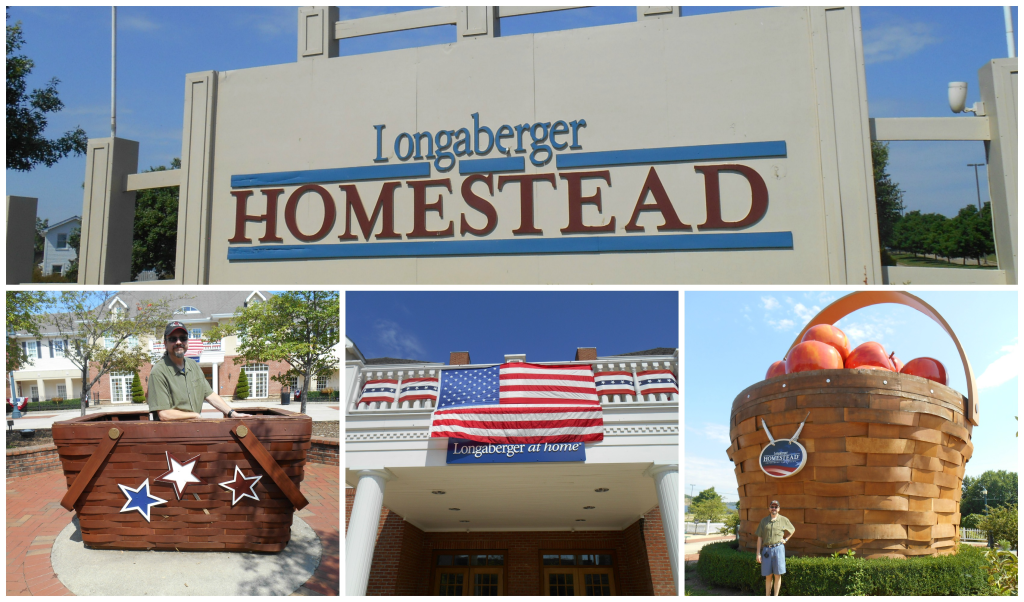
column 885, row 452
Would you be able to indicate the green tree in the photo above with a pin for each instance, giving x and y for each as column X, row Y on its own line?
column 74, row 241
column 26, row 114
column 101, row 336
column 40, row 242
column 1001, row 523
column 298, row 327
column 155, row 235
column 1000, row 484
column 138, row 395
column 708, row 506
column 22, row 317
column 888, row 196
column 242, row 388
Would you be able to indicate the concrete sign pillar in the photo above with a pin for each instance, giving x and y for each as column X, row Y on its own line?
column 477, row 22
column 21, row 230
column 316, row 32
column 362, row 529
column 998, row 83
column 666, row 484
column 108, row 212
column 192, row 263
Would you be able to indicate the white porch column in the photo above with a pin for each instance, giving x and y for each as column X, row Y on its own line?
column 42, row 389
column 362, row 529
column 666, row 484
column 69, row 388
column 216, row 381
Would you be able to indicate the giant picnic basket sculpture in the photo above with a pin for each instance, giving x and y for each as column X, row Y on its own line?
column 885, row 452
column 196, row 485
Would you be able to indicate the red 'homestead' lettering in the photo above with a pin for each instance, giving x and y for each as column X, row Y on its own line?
column 652, row 197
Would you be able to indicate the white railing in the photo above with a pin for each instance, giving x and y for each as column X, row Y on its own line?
column 973, row 535
column 207, row 346
column 399, row 374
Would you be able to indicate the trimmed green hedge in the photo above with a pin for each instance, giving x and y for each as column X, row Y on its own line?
column 960, row 574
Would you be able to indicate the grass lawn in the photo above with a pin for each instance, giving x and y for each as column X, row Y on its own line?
column 929, row 262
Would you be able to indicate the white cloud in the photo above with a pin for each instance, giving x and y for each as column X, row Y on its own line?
column 134, row 22
column 1005, row 368
column 714, row 432
column 770, row 303
column 783, row 324
column 805, row 313
column 894, row 41
column 707, row 472
column 877, row 329
column 393, row 341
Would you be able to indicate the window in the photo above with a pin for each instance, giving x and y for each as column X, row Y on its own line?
column 187, row 309
column 293, row 383
column 469, row 573
column 62, row 391
column 120, row 387
column 30, row 349
column 62, row 241
column 574, row 574
column 321, row 382
column 34, row 392
column 195, row 333
column 58, row 348
column 57, row 268
column 259, row 380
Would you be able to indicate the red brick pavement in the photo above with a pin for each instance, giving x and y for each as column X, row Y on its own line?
column 35, row 518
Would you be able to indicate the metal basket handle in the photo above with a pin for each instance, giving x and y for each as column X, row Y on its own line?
column 845, row 306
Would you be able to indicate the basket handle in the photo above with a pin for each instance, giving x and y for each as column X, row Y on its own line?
column 99, row 455
column 845, row 306
column 248, row 440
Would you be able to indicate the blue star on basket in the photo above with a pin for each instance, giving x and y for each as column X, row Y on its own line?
column 140, row 499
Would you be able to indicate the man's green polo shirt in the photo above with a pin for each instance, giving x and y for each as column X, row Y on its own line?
column 770, row 531
column 171, row 388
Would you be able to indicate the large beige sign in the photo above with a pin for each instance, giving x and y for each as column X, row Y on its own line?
column 728, row 148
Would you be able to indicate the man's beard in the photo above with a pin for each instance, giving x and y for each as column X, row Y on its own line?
column 179, row 352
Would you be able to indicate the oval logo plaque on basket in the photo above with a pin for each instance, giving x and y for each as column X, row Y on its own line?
column 784, row 457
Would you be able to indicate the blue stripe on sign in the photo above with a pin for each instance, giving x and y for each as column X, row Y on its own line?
column 592, row 244
column 470, row 166
column 340, row 174
column 708, row 152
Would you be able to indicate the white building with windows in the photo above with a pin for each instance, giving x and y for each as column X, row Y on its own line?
column 57, row 252
column 50, row 375
column 421, row 522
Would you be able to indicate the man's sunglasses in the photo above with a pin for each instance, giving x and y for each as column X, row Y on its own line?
column 183, row 339
column 776, row 507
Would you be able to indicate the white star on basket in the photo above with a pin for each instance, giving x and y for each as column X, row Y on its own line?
column 179, row 473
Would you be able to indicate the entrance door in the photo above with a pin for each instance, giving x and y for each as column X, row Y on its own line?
column 121, row 387
column 469, row 574
column 578, row 574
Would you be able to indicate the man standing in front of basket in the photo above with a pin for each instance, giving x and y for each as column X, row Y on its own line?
column 772, row 557
column 177, row 386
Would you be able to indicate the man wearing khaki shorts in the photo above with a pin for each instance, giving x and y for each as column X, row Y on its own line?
column 772, row 556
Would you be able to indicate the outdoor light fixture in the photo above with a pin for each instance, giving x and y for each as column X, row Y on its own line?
column 601, row 489
column 588, row 507
column 958, row 98
column 581, row 520
column 463, row 521
column 438, row 492
column 455, row 509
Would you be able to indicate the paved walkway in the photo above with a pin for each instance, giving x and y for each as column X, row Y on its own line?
column 319, row 412
column 35, row 518
column 692, row 546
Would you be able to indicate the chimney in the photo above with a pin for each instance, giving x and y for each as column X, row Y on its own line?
column 511, row 358
column 586, row 354
column 458, row 358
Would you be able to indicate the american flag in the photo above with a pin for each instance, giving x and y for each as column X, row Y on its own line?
column 378, row 390
column 614, row 383
column 657, row 381
column 519, row 403
column 195, row 348
column 418, row 388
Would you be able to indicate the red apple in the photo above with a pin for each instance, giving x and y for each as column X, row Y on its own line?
column 813, row 355
column 897, row 365
column 869, row 355
column 777, row 369
column 927, row 367
column 829, row 334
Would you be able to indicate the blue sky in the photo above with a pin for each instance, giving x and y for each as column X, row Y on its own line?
column 546, row 326
column 911, row 55
column 732, row 338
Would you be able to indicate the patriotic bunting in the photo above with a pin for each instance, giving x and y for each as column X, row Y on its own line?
column 657, row 381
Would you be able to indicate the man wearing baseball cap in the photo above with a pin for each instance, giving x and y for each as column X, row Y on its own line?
column 177, row 386
column 772, row 557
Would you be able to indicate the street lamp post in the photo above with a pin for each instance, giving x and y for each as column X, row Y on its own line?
column 984, row 492
column 977, row 185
